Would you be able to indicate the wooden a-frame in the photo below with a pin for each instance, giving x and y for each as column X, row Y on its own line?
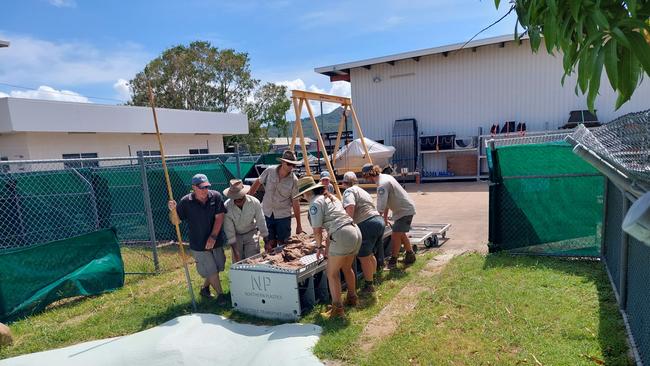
column 301, row 98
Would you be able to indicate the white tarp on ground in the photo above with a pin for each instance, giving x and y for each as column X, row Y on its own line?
column 197, row 339
column 353, row 155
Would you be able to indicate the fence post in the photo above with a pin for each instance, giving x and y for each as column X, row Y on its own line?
column 624, row 252
column 238, row 162
column 147, row 210
column 93, row 196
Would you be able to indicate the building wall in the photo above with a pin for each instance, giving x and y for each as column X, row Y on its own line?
column 466, row 90
column 459, row 93
column 52, row 145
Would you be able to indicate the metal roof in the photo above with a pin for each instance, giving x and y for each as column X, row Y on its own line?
column 4, row 43
column 344, row 68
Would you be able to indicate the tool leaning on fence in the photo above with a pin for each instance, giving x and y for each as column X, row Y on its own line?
column 179, row 237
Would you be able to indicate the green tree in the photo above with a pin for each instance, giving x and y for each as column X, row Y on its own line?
column 197, row 77
column 267, row 108
column 592, row 35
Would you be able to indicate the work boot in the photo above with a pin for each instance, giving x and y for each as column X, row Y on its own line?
column 205, row 292
column 351, row 300
column 392, row 263
column 222, row 299
column 368, row 289
column 409, row 257
column 334, row 311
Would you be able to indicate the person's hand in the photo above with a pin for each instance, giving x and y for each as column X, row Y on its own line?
column 171, row 205
column 210, row 244
column 299, row 229
column 320, row 253
column 235, row 254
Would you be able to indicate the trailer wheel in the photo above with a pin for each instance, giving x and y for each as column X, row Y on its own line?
column 434, row 241
column 429, row 242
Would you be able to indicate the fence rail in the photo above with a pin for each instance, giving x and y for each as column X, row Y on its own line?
column 46, row 200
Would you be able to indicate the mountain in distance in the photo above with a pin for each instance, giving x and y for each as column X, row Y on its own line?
column 328, row 122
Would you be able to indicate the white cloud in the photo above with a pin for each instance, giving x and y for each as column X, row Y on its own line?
column 340, row 88
column 3, row 95
column 49, row 93
column 63, row 3
column 33, row 61
column 122, row 89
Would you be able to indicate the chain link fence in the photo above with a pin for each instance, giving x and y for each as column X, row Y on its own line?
column 44, row 201
column 621, row 149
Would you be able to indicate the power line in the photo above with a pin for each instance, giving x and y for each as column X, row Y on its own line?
column 488, row 27
column 61, row 93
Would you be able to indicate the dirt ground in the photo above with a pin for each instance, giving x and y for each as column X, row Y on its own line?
column 464, row 205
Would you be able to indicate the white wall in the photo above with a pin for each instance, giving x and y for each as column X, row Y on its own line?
column 31, row 115
column 469, row 89
column 36, row 146
column 459, row 93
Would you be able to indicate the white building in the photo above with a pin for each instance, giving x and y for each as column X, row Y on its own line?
column 39, row 129
column 449, row 90
column 279, row 144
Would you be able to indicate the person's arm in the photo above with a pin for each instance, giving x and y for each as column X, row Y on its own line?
column 174, row 216
column 256, row 185
column 385, row 214
column 350, row 210
column 231, row 234
column 322, row 248
column 382, row 201
column 216, row 228
column 296, row 213
column 260, row 220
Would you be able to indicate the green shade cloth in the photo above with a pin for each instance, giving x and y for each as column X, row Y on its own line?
column 33, row 277
column 544, row 199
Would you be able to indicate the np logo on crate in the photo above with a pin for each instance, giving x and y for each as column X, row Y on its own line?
column 260, row 283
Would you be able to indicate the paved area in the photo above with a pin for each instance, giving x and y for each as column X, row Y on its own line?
column 462, row 204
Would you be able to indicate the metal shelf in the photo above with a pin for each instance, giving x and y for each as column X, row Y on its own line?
column 448, row 151
column 455, row 177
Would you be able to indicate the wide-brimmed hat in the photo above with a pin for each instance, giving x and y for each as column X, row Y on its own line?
column 236, row 190
column 289, row 157
column 306, row 184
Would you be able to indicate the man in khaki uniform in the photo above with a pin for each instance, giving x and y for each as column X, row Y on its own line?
column 243, row 218
column 280, row 186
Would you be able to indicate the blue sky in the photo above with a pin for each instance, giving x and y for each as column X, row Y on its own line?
column 90, row 48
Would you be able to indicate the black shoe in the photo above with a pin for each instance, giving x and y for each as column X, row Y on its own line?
column 223, row 299
column 367, row 290
column 392, row 263
column 409, row 257
column 205, row 292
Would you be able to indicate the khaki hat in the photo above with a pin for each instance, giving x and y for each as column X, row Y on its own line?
column 236, row 190
column 289, row 157
column 306, row 184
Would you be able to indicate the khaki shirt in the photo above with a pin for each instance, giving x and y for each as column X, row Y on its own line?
column 278, row 193
column 244, row 220
column 327, row 213
column 391, row 195
column 364, row 206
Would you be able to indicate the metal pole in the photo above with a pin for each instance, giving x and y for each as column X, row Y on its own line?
column 170, row 195
column 322, row 131
column 91, row 192
column 623, row 260
column 148, row 211
column 238, row 161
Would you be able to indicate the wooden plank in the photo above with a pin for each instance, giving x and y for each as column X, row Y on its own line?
column 297, row 107
column 320, row 97
column 327, row 158
column 363, row 141
column 339, row 134
column 304, row 147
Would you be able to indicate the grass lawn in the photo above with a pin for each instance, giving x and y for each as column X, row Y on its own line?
column 148, row 300
column 504, row 310
column 498, row 310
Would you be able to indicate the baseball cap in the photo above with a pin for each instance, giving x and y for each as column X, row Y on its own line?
column 367, row 168
column 325, row 175
column 199, row 178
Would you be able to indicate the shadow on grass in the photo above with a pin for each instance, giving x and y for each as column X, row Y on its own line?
column 611, row 327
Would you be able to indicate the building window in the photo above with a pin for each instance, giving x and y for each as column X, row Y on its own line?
column 4, row 168
column 199, row 151
column 148, row 152
column 80, row 163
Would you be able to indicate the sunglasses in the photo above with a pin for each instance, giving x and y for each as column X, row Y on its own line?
column 203, row 187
